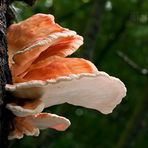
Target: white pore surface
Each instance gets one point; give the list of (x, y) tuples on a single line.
[(97, 91)]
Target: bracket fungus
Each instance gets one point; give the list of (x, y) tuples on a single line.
[(30, 125), (43, 76)]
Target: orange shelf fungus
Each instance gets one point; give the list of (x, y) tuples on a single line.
[(43, 76)]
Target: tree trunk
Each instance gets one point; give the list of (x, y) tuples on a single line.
[(5, 77)]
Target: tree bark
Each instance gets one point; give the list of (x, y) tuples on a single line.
[(5, 76)]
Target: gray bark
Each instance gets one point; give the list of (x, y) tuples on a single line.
[(5, 77)]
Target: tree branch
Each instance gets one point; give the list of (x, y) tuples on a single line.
[(132, 64)]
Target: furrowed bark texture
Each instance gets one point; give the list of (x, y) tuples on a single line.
[(5, 77)]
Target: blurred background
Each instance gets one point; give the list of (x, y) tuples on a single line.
[(116, 40)]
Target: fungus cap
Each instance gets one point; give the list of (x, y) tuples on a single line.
[(38, 37)]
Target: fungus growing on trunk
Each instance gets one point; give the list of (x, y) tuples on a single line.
[(43, 76)]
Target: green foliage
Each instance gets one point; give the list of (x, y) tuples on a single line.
[(123, 26)]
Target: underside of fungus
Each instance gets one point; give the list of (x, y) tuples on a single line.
[(43, 76), (97, 91), (30, 125)]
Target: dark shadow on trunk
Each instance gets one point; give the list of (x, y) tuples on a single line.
[(5, 76)]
